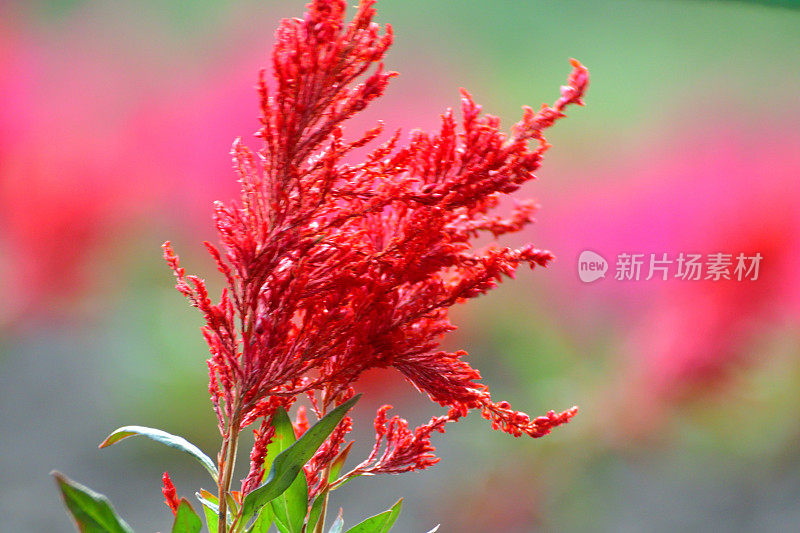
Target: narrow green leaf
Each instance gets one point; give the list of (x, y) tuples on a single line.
[(290, 462), (212, 520), (233, 507), (210, 507), (380, 523), (186, 520), (316, 511), (91, 511), (291, 506), (208, 497), (173, 441)]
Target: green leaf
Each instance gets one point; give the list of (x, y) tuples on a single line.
[(210, 508), (291, 506), (380, 523), (282, 527), (233, 507), (316, 511), (173, 441), (263, 521), (186, 520), (212, 520), (208, 499), (290, 462), (91, 511)]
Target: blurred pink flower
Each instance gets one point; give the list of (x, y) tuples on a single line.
[(729, 190), (69, 175), (98, 137)]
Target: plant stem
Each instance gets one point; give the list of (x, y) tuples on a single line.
[(326, 472), (320, 526), (228, 450)]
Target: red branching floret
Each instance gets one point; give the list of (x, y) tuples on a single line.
[(300, 424), (333, 268), (327, 453), (403, 449), (263, 436)]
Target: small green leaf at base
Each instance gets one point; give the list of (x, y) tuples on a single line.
[(91, 511), (186, 520), (380, 523), (168, 439), (290, 462), (289, 508), (210, 505)]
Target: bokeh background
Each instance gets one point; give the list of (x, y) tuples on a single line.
[(115, 126)]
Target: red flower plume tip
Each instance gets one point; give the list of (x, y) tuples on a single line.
[(334, 267), (168, 490)]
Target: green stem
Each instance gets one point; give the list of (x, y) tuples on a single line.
[(320, 526), (229, 448)]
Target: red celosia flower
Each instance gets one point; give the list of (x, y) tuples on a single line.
[(170, 497), (334, 268)]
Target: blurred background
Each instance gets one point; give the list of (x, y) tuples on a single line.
[(115, 126)]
